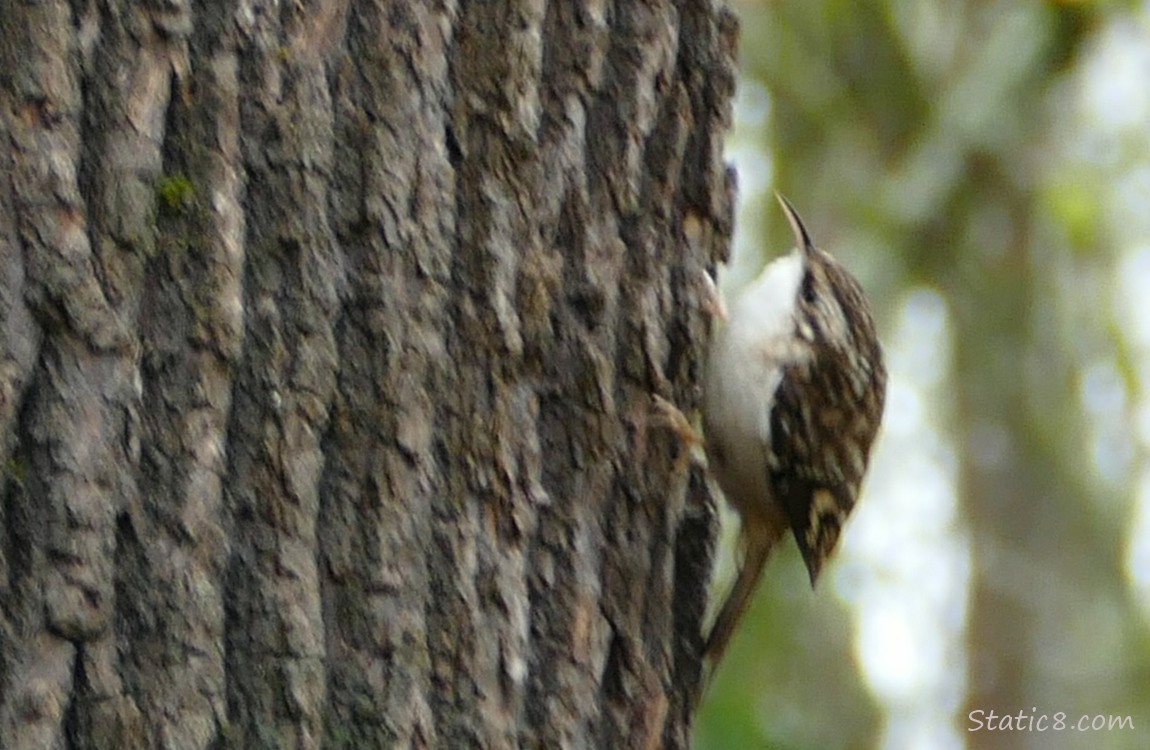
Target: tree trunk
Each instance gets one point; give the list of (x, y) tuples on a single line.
[(329, 336)]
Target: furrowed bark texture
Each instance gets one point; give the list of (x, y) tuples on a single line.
[(329, 335)]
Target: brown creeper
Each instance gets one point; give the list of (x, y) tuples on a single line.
[(792, 400)]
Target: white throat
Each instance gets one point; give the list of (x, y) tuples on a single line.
[(765, 309)]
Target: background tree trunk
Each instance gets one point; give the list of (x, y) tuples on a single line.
[(329, 336)]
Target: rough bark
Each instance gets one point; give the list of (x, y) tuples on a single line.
[(329, 336)]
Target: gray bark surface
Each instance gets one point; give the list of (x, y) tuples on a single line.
[(329, 333)]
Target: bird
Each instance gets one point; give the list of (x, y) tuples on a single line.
[(793, 394)]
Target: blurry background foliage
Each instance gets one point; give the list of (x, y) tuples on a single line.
[(984, 168)]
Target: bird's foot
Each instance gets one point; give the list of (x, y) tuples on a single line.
[(711, 299), (669, 416)]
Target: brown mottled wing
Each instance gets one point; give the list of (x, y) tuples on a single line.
[(824, 419)]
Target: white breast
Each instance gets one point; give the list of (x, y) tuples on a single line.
[(743, 371)]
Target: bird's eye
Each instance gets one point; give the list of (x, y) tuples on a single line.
[(809, 288)]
